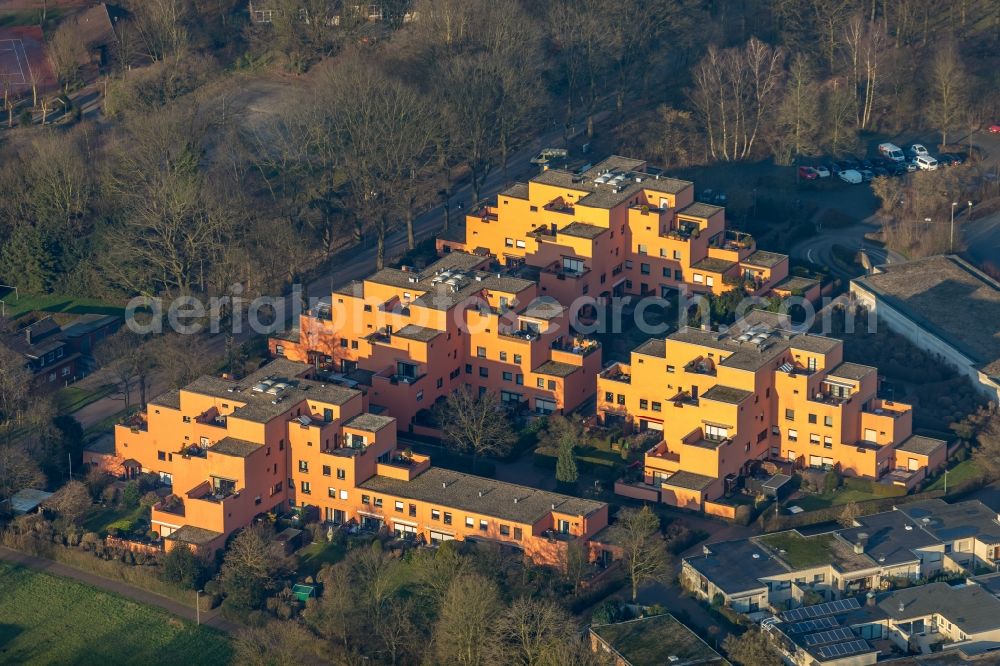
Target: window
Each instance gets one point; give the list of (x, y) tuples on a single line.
[(644, 269), (812, 418), (609, 396), (621, 398), (793, 435), (484, 371), (161, 455), (643, 403), (326, 470), (306, 488), (811, 363), (505, 530), (365, 499), (378, 502), (827, 442), (715, 433), (643, 249), (343, 343), (186, 419), (543, 406), (519, 380), (677, 255), (540, 383), (520, 244), (503, 356), (331, 492), (341, 475), (509, 242), (343, 494), (435, 514), (303, 465), (571, 265), (354, 344), (517, 358), (678, 275), (517, 534), (468, 368), (671, 368), (447, 517), (65, 370), (508, 376), (699, 278), (657, 406), (469, 522), (484, 525), (552, 385), (828, 421), (628, 265), (481, 352), (813, 438), (789, 414)]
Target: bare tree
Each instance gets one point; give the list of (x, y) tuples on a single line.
[(645, 558), (275, 644), (15, 386), (948, 93), (17, 471), (988, 452), (532, 631), (71, 501), (127, 356), (67, 54), (798, 114), (865, 42), (469, 611), (477, 424)]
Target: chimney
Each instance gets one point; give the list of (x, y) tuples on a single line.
[(902, 606), (27, 334), (870, 599), (859, 545), (515, 500), (444, 484)]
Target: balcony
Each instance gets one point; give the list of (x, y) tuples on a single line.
[(215, 493), (577, 345), (171, 504), (403, 466), (887, 408), (380, 337), (562, 273), (660, 451), (136, 423), (321, 310), (558, 205), (683, 398), (734, 241), (827, 398), (525, 335), (211, 418), (701, 366), (486, 212), (685, 231), (618, 372)]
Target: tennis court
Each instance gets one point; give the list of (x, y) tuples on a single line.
[(23, 61)]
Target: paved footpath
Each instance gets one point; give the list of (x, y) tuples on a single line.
[(210, 618)]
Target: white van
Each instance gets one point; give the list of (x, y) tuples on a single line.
[(891, 151), (926, 163)]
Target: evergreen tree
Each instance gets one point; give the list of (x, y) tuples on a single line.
[(566, 471), (27, 260)]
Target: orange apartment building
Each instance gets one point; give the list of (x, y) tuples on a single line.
[(412, 337), (725, 400), (617, 229), (277, 439)]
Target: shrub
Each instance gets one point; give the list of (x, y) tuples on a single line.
[(131, 494), (609, 612)]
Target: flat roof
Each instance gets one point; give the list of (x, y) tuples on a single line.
[(480, 495), (887, 540), (922, 445), (927, 291), (556, 369), (970, 607), (700, 210), (765, 259), (960, 520), (728, 394), (737, 566), (795, 283), (652, 347), (231, 446), (28, 499), (419, 333), (516, 191), (853, 371), (689, 480), (582, 230), (196, 536), (657, 640), (370, 422), (609, 195), (713, 265)]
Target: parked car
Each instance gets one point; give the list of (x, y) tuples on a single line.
[(822, 171), (807, 173), (954, 158), (867, 175), (851, 176), (880, 171), (945, 160), (918, 150), (891, 151), (911, 166), (842, 165), (867, 164), (925, 163), (994, 129)]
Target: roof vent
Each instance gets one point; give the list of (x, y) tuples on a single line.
[(706, 551), (444, 484), (902, 606), (413, 279), (553, 506), (480, 493), (756, 556), (909, 528), (515, 500)]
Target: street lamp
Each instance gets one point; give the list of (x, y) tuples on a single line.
[(197, 606), (952, 240), (968, 218)]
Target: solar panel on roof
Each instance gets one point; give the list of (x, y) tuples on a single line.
[(811, 625), (838, 650), (824, 637), (819, 610)]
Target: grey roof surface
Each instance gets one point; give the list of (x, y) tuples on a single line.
[(370, 422), (645, 642), (796, 283), (419, 333), (652, 347), (480, 495), (927, 290), (193, 535), (88, 323), (887, 537), (604, 196), (171, 399), (689, 480), (853, 371), (517, 191), (556, 369), (582, 230), (261, 407), (544, 307), (726, 394), (713, 265), (746, 356), (231, 446), (732, 567), (922, 445), (700, 209), (972, 608), (955, 521), (28, 499), (765, 259)]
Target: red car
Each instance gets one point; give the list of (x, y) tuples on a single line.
[(807, 173), (994, 129)]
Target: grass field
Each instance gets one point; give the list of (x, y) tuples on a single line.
[(50, 620), (71, 399), (836, 498), (315, 555), (958, 475), (15, 307)]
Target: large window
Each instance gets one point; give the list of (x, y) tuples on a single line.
[(715, 433), (571, 265), (543, 406)]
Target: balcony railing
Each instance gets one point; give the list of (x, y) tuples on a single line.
[(581, 346), (701, 366), (136, 423), (170, 504), (619, 372)]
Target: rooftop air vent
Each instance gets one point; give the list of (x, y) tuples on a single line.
[(756, 556), (909, 528)]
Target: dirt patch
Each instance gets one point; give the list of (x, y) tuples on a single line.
[(23, 61)]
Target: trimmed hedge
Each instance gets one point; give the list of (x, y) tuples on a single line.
[(872, 487)]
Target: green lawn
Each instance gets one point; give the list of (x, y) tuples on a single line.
[(961, 473), (101, 519), (45, 619), (15, 307), (315, 555), (836, 498), (800, 552), (71, 399)]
